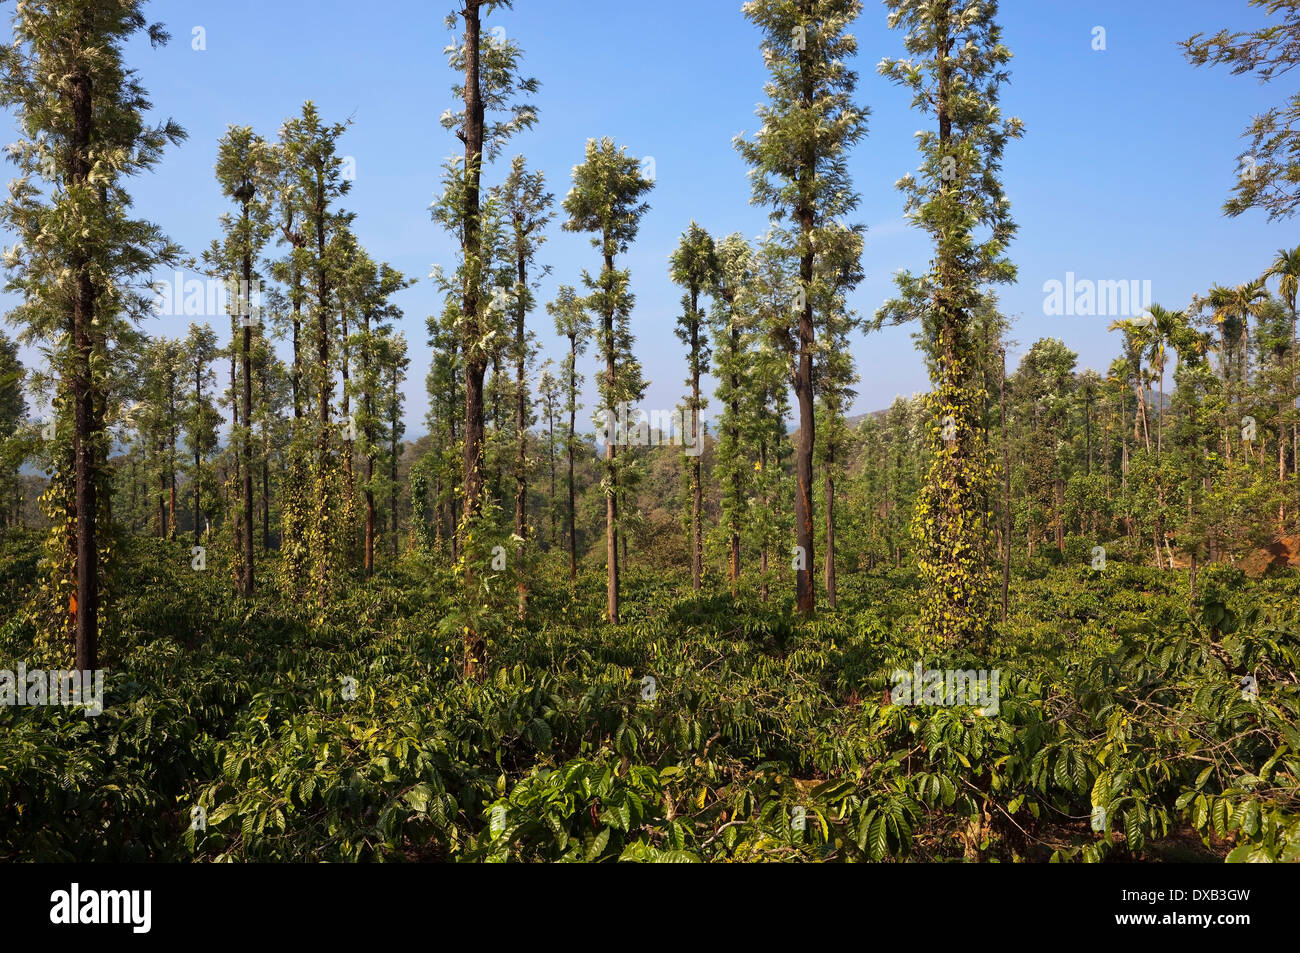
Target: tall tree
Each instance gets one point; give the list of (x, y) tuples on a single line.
[(574, 325), (445, 407), (162, 369), (732, 342), (694, 266), (772, 276), (548, 395), (313, 515), (393, 362), (956, 62), (491, 84), (80, 112), (606, 200), (245, 174), (839, 268), (199, 416), (369, 288), (1165, 326), (799, 162), (526, 207)]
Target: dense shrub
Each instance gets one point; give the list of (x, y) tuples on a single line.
[(697, 730)]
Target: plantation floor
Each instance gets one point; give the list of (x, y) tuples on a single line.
[(699, 729)]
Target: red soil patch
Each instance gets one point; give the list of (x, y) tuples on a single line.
[(1283, 551)]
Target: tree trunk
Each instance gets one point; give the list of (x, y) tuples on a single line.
[(1281, 467), (1006, 488), (573, 417), (762, 553), (1140, 391), (735, 471), (198, 458), (611, 497), (830, 530), (247, 351), (805, 596), (392, 474), (697, 474), (475, 364), (1160, 416), (550, 452), (368, 401), (171, 458), (85, 451), (521, 432)]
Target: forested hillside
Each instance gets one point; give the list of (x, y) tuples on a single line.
[(252, 608)]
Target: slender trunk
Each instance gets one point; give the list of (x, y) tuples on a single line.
[(247, 354), (368, 401), (85, 449), (438, 512), (266, 463), (1006, 488), (496, 464), (171, 458), (1160, 416), (325, 383), (1142, 413), (611, 496), (162, 493), (1087, 419), (1058, 517), (135, 495), (198, 458), (697, 471), (370, 515), (735, 470), (1123, 441), (521, 432), (234, 445), (1281, 467), (1291, 395), (266, 490), (830, 528), (453, 516), (805, 597), (475, 363), (550, 453), (762, 552), (393, 460), (295, 300), (573, 417)]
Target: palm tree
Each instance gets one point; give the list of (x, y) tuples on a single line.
[(1136, 334), (1246, 300), (1164, 329), (1219, 301), (1231, 310)]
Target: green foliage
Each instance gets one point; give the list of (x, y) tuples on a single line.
[(351, 734)]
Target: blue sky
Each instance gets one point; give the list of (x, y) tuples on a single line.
[(1127, 157)]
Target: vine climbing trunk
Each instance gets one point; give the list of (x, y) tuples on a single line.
[(475, 360), (85, 469)]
